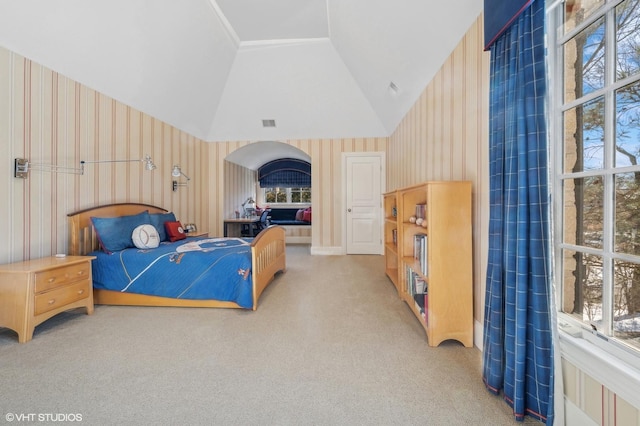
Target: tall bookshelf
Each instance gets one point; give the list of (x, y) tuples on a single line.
[(391, 238), (434, 258)]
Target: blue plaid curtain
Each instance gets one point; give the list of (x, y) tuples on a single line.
[(518, 350), (285, 173)]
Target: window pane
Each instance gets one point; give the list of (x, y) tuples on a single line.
[(270, 195), (627, 213), (626, 309), (582, 286), (583, 211), (627, 39), (300, 195), (584, 137), (275, 195), (279, 195), (575, 12), (584, 62), (628, 125), (305, 197)]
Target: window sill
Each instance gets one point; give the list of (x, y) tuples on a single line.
[(623, 378)]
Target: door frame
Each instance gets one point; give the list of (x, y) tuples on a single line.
[(383, 186)]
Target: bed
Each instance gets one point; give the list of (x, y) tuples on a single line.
[(257, 262)]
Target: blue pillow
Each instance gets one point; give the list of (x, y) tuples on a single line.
[(158, 220), (114, 233)]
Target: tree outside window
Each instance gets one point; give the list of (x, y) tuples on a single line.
[(287, 195)]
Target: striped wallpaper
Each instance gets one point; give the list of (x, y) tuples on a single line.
[(50, 119)]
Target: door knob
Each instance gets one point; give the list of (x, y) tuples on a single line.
[(349, 210)]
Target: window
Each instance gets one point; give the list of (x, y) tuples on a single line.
[(287, 195), (596, 135)]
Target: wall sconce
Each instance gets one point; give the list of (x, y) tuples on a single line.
[(22, 166), (250, 208), (176, 173), (148, 163)]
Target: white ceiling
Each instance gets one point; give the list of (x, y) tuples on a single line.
[(254, 155), (217, 68)]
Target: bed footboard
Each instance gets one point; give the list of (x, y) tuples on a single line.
[(268, 256)]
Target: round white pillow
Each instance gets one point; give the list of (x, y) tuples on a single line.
[(145, 237)]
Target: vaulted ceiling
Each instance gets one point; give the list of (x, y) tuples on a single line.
[(217, 68)]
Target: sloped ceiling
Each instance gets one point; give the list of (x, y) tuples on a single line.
[(217, 68)]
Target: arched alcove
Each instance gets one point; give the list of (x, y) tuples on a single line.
[(254, 155), (241, 178)]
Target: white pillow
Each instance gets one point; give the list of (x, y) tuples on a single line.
[(145, 237)]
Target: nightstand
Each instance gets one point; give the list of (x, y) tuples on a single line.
[(33, 291), (197, 234)]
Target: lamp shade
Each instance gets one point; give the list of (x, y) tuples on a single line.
[(177, 172)]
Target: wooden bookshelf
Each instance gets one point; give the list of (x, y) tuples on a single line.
[(446, 266)]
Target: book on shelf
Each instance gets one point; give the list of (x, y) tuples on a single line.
[(413, 281), (418, 289), (420, 252), (394, 236), (426, 308), (419, 299)]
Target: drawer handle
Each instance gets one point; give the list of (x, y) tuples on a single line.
[(52, 301), (52, 279), (80, 291), (80, 272)]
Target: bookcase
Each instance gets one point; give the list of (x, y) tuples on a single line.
[(431, 260)]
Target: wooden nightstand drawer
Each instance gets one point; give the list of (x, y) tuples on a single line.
[(61, 296), (57, 277)]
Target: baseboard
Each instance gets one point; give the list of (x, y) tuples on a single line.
[(574, 416), (297, 240), (478, 335), (327, 251)]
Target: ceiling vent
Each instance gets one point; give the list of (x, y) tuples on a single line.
[(393, 88), (268, 123)]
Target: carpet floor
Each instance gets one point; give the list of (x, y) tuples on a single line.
[(330, 344)]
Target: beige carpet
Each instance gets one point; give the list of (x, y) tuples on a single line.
[(330, 344)]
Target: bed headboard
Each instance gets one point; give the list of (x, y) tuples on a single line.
[(82, 237)]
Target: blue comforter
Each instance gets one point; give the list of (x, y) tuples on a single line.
[(194, 268)]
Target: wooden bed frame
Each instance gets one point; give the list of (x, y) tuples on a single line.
[(267, 258)]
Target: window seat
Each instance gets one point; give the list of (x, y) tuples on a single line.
[(290, 216)]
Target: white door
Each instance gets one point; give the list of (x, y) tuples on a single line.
[(363, 188)]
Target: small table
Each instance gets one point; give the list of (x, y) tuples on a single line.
[(238, 223)]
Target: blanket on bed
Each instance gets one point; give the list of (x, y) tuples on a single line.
[(194, 268)]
